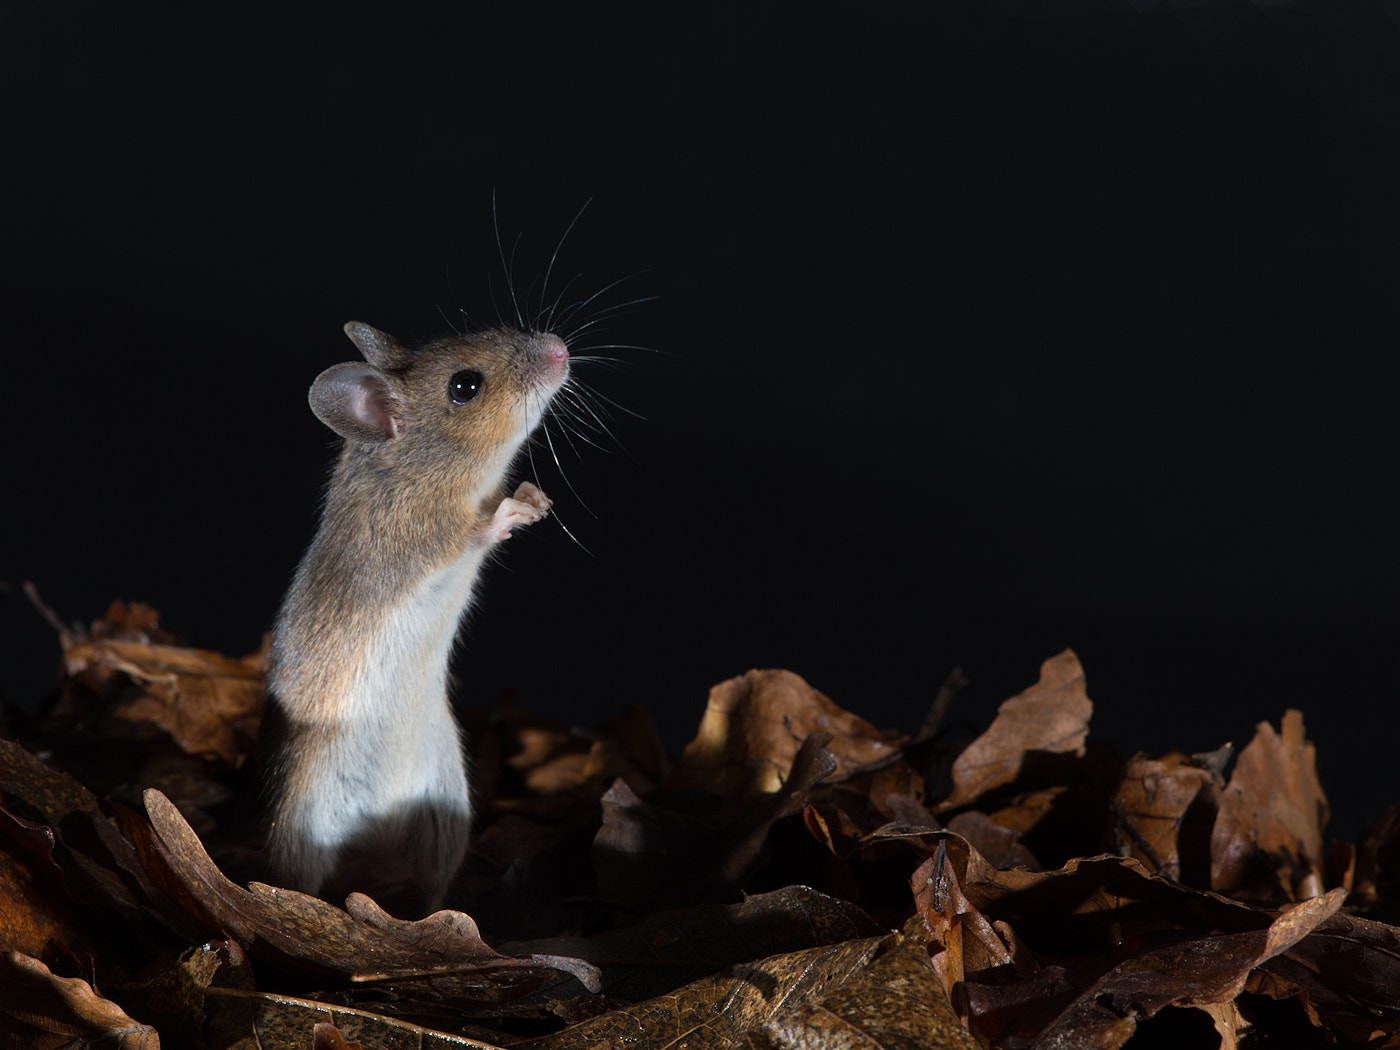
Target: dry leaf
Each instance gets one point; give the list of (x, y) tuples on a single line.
[(721, 1011), (36, 916), (754, 725), (41, 1010), (648, 855), (1150, 812), (99, 864), (895, 1003), (1100, 1001), (1348, 969), (1085, 955), (250, 1020), (210, 705), (360, 941), (1001, 845), (1051, 716), (1271, 817), (686, 944)]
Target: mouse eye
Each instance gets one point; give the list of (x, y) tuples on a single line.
[(465, 385)]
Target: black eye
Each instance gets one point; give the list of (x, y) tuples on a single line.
[(465, 385)]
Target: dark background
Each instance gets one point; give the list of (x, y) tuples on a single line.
[(987, 329)]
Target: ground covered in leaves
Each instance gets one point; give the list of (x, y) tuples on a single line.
[(796, 878)]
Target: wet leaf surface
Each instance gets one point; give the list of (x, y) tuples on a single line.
[(797, 878)]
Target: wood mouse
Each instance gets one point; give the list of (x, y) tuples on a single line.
[(368, 777)]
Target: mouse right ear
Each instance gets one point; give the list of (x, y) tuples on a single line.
[(380, 349), (355, 401)]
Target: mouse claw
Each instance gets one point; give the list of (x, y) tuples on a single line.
[(526, 507), (529, 492)]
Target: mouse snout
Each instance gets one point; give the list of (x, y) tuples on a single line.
[(554, 348), (548, 360)]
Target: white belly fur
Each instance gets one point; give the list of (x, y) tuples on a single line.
[(393, 776)]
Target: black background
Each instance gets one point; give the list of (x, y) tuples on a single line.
[(987, 329)]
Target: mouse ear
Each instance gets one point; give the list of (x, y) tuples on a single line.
[(380, 349), (355, 401)]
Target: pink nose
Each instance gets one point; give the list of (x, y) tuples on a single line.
[(554, 347)]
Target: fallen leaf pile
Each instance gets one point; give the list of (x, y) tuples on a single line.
[(797, 877)]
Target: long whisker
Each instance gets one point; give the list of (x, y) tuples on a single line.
[(500, 250), (447, 320), (573, 403), (620, 346), (616, 405), (544, 285), (565, 419), (555, 453), (607, 315), (447, 273), (574, 308)]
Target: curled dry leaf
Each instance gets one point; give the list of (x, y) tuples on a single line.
[(1001, 845), (1271, 817), (300, 929), (1151, 807), (1348, 969), (41, 1009), (1100, 1001), (962, 940), (35, 915), (208, 703), (754, 725), (99, 864), (1051, 716)]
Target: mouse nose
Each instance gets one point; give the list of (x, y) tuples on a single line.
[(554, 347)]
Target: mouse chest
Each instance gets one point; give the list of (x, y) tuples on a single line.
[(407, 659)]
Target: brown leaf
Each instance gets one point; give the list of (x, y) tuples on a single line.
[(210, 704), (1099, 1002), (1051, 716), (1001, 845), (36, 916), (173, 994), (754, 725), (723, 1010), (649, 855), (1151, 806), (1267, 838), (1229, 1023), (361, 941), (45, 1010), (326, 1036), (98, 861), (895, 1003), (1349, 970), (270, 1021), (134, 622), (687, 944)]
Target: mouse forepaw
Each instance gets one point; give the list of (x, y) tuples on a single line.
[(529, 492), (526, 507)]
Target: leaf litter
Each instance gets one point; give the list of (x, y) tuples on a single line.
[(797, 877)]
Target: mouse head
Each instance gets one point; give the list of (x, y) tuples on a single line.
[(476, 395)]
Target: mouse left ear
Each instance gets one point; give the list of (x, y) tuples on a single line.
[(356, 402), (380, 349)]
